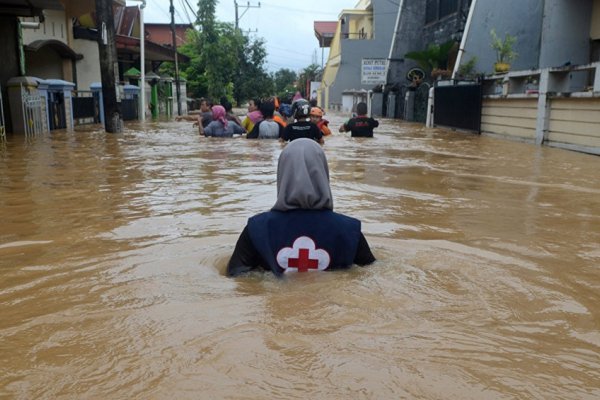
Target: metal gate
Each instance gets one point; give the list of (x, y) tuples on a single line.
[(85, 107), (129, 107), (421, 97), (56, 108), (458, 106), (32, 114)]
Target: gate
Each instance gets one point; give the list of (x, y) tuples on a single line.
[(458, 106), (32, 114), (129, 107), (85, 107), (421, 98), (56, 108)]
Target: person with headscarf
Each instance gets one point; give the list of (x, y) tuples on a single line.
[(254, 115), (301, 232), (220, 126)]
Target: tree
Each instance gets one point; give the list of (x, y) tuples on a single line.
[(309, 74), (253, 80), (224, 61), (284, 80)]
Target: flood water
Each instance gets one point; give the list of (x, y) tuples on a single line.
[(113, 247)]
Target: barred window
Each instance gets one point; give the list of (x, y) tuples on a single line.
[(431, 11), (447, 7), (438, 9)]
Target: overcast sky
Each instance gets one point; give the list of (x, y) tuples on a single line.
[(286, 26)]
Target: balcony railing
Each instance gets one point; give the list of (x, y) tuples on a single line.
[(357, 35), (568, 81)]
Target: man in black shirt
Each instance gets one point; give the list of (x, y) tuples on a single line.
[(362, 125), (303, 128)]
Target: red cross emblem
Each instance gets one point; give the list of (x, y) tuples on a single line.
[(303, 256), (303, 262)]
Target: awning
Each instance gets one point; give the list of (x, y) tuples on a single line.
[(325, 31), (59, 47)]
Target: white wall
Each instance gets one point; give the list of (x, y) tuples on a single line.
[(54, 27), (88, 69)]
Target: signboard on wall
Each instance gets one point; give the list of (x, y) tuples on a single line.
[(373, 71)]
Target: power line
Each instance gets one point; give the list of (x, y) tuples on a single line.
[(298, 10), (191, 9), (247, 7), (185, 11)]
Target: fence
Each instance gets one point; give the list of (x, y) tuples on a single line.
[(85, 107), (32, 114), (458, 105), (129, 107)]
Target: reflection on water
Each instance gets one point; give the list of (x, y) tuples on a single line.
[(112, 249)]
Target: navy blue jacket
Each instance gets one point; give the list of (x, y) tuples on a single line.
[(300, 240)]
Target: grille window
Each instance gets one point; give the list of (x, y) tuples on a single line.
[(431, 11), (448, 7), (438, 9)]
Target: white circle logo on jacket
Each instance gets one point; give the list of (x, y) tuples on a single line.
[(303, 256)]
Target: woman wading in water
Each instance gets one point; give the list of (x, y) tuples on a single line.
[(301, 232)]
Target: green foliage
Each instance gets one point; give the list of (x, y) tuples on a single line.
[(252, 80), (226, 62), (284, 80), (308, 74), (223, 60), (467, 70), (435, 56), (504, 48)]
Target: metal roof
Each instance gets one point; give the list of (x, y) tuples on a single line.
[(324, 31)]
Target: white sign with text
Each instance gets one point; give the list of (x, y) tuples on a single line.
[(373, 71)]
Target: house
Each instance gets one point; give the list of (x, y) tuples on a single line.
[(325, 32), (127, 26), (12, 55), (161, 34), (420, 24), (358, 53), (552, 93)]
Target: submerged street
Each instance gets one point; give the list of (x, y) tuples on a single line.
[(113, 247)]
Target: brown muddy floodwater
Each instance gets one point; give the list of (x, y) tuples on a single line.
[(112, 251)]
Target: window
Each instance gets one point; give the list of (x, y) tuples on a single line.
[(448, 7), (438, 9), (431, 11)]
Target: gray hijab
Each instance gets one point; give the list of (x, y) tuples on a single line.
[(303, 177)]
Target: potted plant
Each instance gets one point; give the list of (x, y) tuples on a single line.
[(467, 70), (439, 73), (504, 51), (434, 59)]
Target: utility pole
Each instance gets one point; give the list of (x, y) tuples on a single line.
[(173, 33), (237, 16), (143, 62), (109, 66)]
